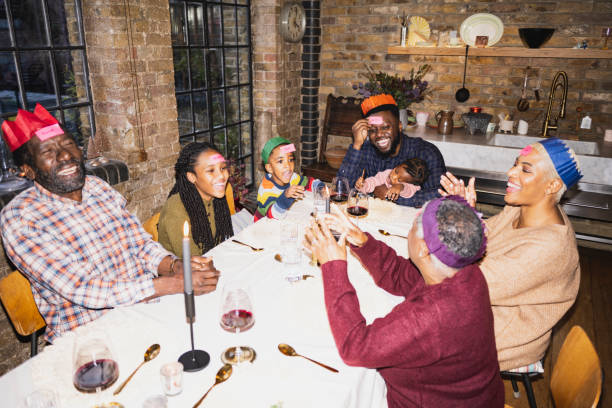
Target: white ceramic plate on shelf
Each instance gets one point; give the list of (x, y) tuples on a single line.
[(481, 24)]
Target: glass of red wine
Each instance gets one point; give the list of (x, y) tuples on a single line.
[(357, 204), (94, 367), (339, 190), (236, 316)]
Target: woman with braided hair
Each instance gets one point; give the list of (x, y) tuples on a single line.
[(198, 196)]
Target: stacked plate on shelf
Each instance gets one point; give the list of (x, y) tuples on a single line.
[(481, 24)]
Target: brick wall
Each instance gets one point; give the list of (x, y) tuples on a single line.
[(355, 32), (276, 72)]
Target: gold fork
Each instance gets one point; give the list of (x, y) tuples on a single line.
[(382, 231), (242, 243)]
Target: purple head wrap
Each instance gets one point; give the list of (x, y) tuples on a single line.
[(432, 237)]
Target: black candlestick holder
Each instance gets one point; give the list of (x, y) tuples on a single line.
[(192, 360)]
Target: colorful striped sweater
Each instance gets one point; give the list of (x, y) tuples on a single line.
[(272, 203)]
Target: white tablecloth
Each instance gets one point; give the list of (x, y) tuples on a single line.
[(292, 313)]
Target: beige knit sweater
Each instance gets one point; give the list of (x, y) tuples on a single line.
[(533, 276)]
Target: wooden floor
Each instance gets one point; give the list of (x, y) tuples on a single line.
[(592, 311)]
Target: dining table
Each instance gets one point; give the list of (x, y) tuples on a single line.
[(285, 312)]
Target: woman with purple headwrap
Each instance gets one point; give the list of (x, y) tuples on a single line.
[(437, 347), (531, 265)]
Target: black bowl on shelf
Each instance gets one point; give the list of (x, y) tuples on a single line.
[(535, 37)]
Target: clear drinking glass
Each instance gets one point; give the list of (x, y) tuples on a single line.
[(94, 367), (339, 190), (43, 398), (321, 198), (357, 204), (236, 315), (291, 251)]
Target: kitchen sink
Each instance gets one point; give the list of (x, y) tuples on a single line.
[(519, 141)]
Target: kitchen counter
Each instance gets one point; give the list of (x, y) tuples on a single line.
[(488, 158)]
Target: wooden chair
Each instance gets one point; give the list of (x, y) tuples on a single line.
[(340, 115), (526, 379), (576, 377), (17, 298), (150, 225)]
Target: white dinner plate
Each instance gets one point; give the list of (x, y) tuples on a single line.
[(481, 24)]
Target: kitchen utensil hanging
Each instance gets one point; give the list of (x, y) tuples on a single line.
[(463, 94), (523, 104)]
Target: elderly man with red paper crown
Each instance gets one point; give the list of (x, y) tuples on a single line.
[(379, 144), (72, 237)]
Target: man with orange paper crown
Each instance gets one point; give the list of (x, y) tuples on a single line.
[(73, 238), (379, 144)]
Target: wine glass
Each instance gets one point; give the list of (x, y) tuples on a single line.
[(357, 204), (339, 190), (236, 316), (94, 368)]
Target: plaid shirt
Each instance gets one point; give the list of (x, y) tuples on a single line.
[(369, 159), (81, 258)]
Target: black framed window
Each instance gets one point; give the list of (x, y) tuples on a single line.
[(211, 42), (43, 60)]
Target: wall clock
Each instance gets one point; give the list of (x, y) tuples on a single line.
[(292, 21)]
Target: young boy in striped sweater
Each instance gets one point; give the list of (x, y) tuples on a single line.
[(281, 185)]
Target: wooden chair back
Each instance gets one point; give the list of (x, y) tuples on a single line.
[(576, 377), (150, 225), (340, 114), (17, 298)]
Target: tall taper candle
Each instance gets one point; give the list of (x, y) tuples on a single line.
[(187, 284)]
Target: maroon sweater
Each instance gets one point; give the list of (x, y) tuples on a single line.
[(435, 349)]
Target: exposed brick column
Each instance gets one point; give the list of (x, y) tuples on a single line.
[(311, 50)]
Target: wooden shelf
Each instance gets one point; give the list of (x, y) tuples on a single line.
[(503, 52)]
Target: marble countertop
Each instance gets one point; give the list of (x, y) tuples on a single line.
[(496, 152)]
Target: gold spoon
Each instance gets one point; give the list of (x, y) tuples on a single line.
[(382, 231), (222, 375), (290, 351), (149, 355), (279, 258), (242, 243)]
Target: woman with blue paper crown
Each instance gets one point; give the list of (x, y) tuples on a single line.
[(531, 265)]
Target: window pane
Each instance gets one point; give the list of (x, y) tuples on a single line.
[(71, 77), (28, 23), (200, 109), (248, 166), (203, 137), (177, 23), (37, 78), (214, 25), (246, 139), (181, 74), (215, 66), (63, 23), (198, 69), (245, 105), (8, 84), (184, 114), (243, 25), (195, 19), (241, 1), (232, 105), (5, 39), (229, 25), (233, 141), (230, 62), (219, 141), (218, 102), (76, 122), (244, 65)]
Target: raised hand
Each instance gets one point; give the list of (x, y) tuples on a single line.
[(322, 244), (338, 221), (294, 191), (360, 133), (453, 186)]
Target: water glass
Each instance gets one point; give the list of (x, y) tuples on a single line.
[(171, 376), (43, 398), (291, 251), (321, 199)]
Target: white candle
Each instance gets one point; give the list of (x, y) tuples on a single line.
[(187, 285)]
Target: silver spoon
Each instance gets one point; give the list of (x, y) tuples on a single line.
[(222, 375), (149, 355)]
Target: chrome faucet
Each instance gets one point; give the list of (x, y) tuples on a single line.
[(560, 79)]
